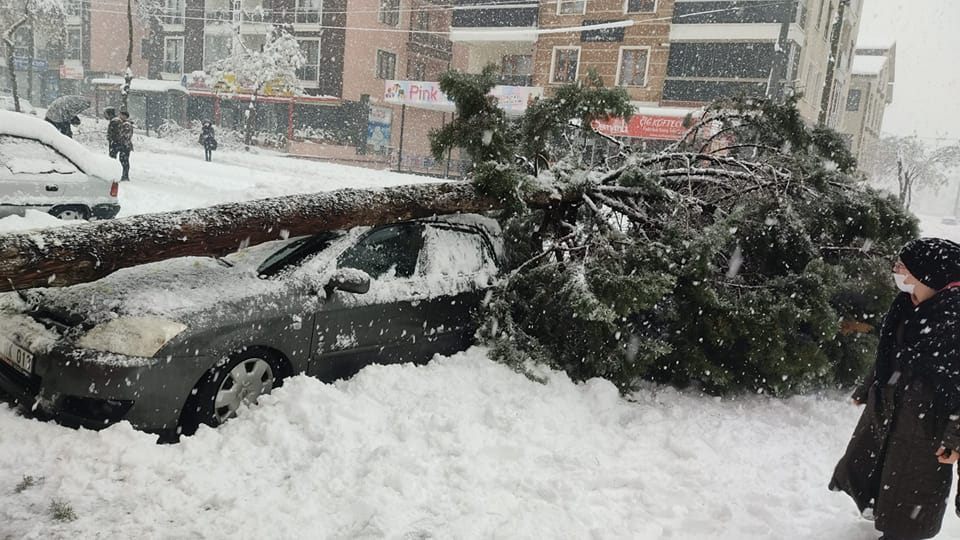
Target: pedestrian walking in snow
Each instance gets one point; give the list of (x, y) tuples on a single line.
[(113, 130), (898, 466), (208, 139), (125, 144)]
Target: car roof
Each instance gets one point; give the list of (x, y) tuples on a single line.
[(30, 127)]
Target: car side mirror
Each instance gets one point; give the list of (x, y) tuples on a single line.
[(350, 280)]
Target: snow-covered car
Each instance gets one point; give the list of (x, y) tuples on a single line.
[(187, 341), (7, 104), (41, 169)]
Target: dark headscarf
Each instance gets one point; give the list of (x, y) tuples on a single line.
[(934, 261)]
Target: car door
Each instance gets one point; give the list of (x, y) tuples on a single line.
[(384, 325), (34, 174), (459, 266)]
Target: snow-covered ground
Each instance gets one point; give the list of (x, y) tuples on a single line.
[(460, 448)]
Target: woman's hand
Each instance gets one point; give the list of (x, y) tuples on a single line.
[(947, 457)]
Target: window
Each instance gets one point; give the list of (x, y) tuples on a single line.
[(451, 252), (421, 21), (173, 55), (396, 248), (21, 42), (633, 66), (566, 64), (311, 64), (571, 7), (308, 11), (389, 12), (386, 65), (216, 47), (641, 6), (27, 156), (74, 44), (173, 11), (516, 69)]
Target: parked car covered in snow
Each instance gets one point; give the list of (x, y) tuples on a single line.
[(187, 341), (7, 104), (40, 169)]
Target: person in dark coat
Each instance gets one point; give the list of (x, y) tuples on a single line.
[(125, 144), (898, 466), (208, 139), (113, 130), (64, 127)]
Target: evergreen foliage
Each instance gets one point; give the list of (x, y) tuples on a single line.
[(746, 257)]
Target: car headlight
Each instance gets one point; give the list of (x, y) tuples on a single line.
[(131, 336)]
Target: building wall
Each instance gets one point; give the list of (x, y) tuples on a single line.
[(107, 40), (601, 50)]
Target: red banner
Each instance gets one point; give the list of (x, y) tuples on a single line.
[(643, 126)]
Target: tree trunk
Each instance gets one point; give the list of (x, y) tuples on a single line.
[(62, 256), (128, 74), (11, 65)]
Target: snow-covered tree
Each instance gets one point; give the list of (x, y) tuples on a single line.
[(745, 256), (908, 164), (276, 65), (15, 14)]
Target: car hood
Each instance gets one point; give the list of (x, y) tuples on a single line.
[(176, 289)]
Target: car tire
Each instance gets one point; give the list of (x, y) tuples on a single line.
[(70, 213), (243, 378)]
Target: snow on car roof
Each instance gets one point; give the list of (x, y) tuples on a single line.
[(21, 125)]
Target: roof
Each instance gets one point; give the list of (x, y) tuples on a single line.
[(31, 127), (868, 65), (143, 85)]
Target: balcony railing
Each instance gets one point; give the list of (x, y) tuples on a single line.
[(309, 73), (304, 15), (488, 14), (172, 15), (516, 80), (226, 14), (433, 42)]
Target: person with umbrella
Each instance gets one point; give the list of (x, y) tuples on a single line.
[(64, 111)]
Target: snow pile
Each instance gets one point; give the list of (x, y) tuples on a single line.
[(26, 332), (21, 125), (32, 219), (460, 448)]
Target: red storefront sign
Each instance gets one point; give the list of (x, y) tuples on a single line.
[(643, 126)]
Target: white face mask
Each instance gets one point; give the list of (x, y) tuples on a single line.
[(900, 278)]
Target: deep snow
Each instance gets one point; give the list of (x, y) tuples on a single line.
[(460, 448)]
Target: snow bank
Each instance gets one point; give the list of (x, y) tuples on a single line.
[(460, 448), (21, 125), (32, 219)]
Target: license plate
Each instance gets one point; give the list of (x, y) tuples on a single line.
[(16, 356)]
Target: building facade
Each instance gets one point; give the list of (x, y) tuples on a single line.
[(873, 73)]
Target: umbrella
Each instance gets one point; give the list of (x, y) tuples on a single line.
[(64, 108)]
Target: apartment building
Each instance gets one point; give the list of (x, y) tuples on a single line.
[(873, 73)]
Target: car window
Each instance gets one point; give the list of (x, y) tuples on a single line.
[(456, 252), (295, 253), (27, 156), (391, 250)]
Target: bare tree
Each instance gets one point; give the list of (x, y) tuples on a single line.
[(911, 164), (15, 14)]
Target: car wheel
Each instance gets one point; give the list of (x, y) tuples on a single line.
[(70, 212), (225, 388)]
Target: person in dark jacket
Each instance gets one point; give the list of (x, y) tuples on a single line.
[(65, 127), (113, 130), (898, 464), (125, 144), (208, 139)]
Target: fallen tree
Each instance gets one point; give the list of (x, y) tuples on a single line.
[(62, 256)]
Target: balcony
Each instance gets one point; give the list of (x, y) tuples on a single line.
[(432, 45), (496, 20), (172, 15)]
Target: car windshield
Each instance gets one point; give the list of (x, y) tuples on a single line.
[(294, 253), (26, 156)]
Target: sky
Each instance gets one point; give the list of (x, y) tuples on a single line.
[(927, 33)]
